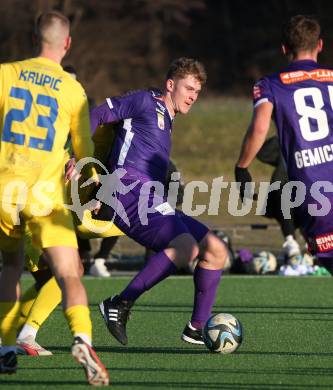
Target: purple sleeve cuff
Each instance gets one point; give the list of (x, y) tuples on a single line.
[(101, 115)]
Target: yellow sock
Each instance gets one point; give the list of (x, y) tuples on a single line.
[(9, 314), (78, 318), (48, 298), (27, 300)]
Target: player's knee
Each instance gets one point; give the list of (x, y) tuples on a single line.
[(68, 283), (184, 249), (215, 251), (70, 272), (190, 249)]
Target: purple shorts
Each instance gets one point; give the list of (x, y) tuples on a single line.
[(158, 227)]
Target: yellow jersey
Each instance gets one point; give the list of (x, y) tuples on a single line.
[(40, 106)]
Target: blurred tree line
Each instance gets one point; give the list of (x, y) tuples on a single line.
[(128, 44)]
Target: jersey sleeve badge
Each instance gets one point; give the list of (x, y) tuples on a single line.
[(256, 92), (160, 120)]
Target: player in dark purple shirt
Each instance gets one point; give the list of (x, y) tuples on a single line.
[(142, 148), (143, 135), (300, 98)]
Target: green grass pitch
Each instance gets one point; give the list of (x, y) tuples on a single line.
[(288, 339)]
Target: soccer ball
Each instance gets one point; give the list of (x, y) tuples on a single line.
[(222, 333), (264, 262)]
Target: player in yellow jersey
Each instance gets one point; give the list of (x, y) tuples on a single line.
[(40, 106), (44, 295)]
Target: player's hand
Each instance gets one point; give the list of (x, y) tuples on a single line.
[(242, 176), (70, 171)]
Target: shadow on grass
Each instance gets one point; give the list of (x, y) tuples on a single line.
[(188, 351), (138, 350), (172, 384), (307, 318), (302, 371), (29, 384), (258, 310), (217, 385), (281, 353)]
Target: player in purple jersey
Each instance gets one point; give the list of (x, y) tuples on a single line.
[(142, 148), (300, 98)]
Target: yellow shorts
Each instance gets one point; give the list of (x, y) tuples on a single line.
[(34, 199), (55, 229), (91, 228), (32, 253), (88, 227)]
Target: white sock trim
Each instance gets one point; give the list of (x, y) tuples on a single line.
[(27, 331), (84, 337)]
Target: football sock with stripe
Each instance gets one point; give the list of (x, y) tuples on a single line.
[(48, 299)]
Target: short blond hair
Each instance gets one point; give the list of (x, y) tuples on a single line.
[(183, 66), (52, 27)]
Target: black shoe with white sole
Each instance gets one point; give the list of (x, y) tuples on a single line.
[(115, 312), (192, 335)]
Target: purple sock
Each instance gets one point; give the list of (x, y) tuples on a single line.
[(158, 267), (206, 282)]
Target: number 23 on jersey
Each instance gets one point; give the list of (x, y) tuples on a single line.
[(15, 115)]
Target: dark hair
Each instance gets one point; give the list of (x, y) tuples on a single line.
[(301, 33), (182, 67)]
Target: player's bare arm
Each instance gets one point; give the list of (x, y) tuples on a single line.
[(256, 134)]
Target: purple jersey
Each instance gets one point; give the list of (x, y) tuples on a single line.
[(143, 139), (302, 96), (142, 148)]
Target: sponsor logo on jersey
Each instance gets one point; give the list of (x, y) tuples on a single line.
[(324, 243), (322, 75), (160, 120)]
